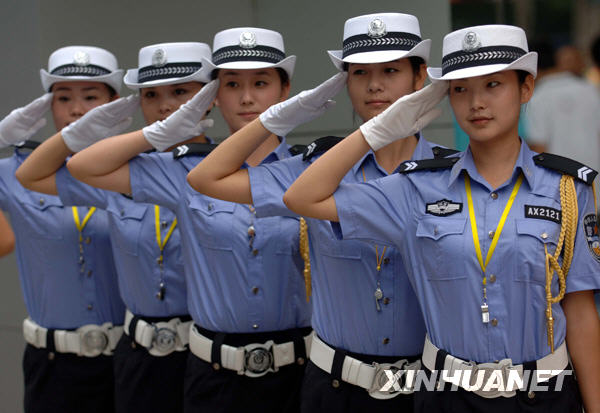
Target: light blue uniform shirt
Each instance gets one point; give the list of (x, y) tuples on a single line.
[(233, 286), (345, 272), (57, 294), (442, 264), (132, 230)]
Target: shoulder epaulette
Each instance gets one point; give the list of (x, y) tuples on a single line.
[(297, 149), (193, 149), (423, 164), (28, 145), (567, 166), (320, 146), (441, 152)]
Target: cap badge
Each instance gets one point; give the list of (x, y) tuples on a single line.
[(159, 58), (377, 28), (247, 40), (81, 58), (471, 42)]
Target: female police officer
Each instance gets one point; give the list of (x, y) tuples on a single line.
[(246, 289), (502, 311), (364, 310), (151, 356), (63, 254)]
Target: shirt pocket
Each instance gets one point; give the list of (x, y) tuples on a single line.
[(441, 241), (47, 216), (213, 220), (331, 246), (288, 237), (129, 222), (532, 235)]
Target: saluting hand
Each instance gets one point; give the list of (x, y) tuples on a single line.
[(101, 122), (22, 123), (186, 122), (283, 117), (405, 117)]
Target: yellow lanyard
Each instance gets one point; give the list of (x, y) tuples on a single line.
[(162, 242), (378, 294), (81, 225), (501, 223)]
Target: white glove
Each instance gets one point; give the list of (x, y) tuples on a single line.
[(101, 122), (283, 117), (186, 122), (405, 117), (22, 123)]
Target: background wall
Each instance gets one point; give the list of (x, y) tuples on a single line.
[(32, 29)]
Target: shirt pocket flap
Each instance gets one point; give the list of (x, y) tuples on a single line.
[(544, 231), (438, 227), (132, 211), (210, 206), (42, 202)]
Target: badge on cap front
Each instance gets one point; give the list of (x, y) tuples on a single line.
[(471, 42), (377, 28), (159, 58), (247, 40), (81, 58)]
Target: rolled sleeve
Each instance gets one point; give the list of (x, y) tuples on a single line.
[(374, 211), (73, 192), (584, 273), (156, 178), (269, 182)]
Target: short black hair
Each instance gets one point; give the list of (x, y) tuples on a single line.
[(283, 75), (596, 51), (522, 75), (415, 64)]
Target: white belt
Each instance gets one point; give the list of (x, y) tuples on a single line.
[(465, 373), (252, 360), (160, 338), (381, 380), (89, 340)]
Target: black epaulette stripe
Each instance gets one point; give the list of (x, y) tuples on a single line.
[(193, 149), (297, 149), (567, 166), (320, 146), (423, 164), (441, 152), (28, 145)]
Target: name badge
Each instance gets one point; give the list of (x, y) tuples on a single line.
[(543, 212)]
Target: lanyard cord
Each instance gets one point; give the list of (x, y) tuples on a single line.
[(163, 242), (81, 225), (378, 258), (499, 229)]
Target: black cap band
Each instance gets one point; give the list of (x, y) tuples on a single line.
[(77, 70), (170, 70), (257, 53), (391, 41), (483, 56)]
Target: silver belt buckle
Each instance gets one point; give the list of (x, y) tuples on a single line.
[(164, 341), (390, 379), (94, 342), (259, 359), (477, 386)]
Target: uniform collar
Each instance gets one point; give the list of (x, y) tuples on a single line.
[(523, 164), (422, 151)]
